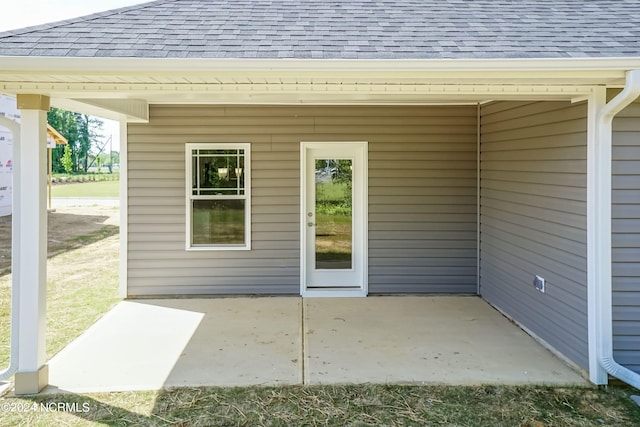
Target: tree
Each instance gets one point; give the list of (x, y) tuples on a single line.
[(80, 130), (88, 131), (64, 122), (115, 157), (108, 158), (67, 160)]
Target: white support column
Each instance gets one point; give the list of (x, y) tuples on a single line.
[(124, 211), (30, 175)]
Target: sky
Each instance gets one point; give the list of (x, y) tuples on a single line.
[(25, 13)]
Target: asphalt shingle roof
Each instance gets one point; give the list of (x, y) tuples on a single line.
[(342, 29)]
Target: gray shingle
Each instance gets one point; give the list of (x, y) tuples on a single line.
[(349, 29)]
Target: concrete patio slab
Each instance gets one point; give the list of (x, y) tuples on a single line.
[(425, 340), (151, 344)]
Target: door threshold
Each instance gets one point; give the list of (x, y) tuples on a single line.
[(333, 292)]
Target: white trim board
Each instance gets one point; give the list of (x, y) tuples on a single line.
[(320, 283)]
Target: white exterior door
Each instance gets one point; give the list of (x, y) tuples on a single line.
[(334, 219)]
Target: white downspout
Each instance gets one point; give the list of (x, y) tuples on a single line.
[(603, 294), (14, 127)]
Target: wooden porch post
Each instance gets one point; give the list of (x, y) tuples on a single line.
[(30, 211)]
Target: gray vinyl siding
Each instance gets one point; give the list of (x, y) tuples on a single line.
[(626, 237), (533, 218), (422, 197)]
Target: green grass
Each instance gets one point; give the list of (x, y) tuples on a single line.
[(86, 290), (333, 238), (102, 189), (353, 405), (333, 198), (82, 286), (333, 223)]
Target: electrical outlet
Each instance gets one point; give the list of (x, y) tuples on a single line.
[(539, 283)]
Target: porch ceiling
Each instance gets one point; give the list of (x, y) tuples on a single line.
[(126, 84)]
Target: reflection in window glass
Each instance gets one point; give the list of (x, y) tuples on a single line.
[(218, 206), (334, 217), (218, 172), (218, 222)]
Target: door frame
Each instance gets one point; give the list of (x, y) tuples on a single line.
[(360, 220)]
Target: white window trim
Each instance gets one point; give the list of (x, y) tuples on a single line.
[(247, 196)]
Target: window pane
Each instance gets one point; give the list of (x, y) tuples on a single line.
[(194, 177), (218, 222), (228, 152), (219, 169), (221, 192)]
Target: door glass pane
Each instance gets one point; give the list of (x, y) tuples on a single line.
[(333, 214)]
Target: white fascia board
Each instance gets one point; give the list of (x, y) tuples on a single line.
[(298, 93), (321, 81), (607, 71), (159, 65), (292, 81), (68, 96)]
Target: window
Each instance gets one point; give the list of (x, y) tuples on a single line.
[(218, 196)]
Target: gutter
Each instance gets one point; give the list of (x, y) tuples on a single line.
[(14, 127), (603, 292), (117, 66)]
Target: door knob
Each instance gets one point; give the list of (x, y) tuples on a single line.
[(310, 224)]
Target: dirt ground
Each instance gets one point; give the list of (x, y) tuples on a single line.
[(68, 227)]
